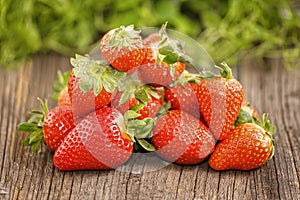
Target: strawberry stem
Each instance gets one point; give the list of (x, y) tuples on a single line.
[(225, 71)]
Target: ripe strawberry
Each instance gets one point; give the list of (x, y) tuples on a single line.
[(164, 61), (220, 100), (97, 143), (248, 146), (48, 126), (182, 139), (183, 97), (160, 75), (123, 48), (91, 84), (151, 44)]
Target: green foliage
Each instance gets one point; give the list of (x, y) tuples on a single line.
[(226, 28)]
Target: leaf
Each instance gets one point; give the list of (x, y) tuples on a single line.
[(130, 114), (97, 86), (146, 145), (35, 146), (125, 96), (109, 85), (27, 127), (35, 136), (85, 85), (141, 95), (137, 107)]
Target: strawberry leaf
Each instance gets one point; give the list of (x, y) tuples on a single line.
[(146, 145), (141, 95), (137, 107), (27, 127), (131, 114), (245, 116), (95, 74), (125, 96)]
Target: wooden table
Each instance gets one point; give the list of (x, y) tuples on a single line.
[(27, 176)]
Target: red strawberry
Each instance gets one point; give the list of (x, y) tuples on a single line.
[(50, 127), (248, 146), (220, 101), (160, 75), (123, 48), (164, 61), (97, 143), (91, 84), (184, 98), (151, 44), (182, 139)]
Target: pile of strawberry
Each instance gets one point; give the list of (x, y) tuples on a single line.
[(140, 98)]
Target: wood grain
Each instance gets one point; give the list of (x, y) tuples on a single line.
[(26, 176)]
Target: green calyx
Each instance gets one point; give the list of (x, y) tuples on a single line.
[(141, 130), (245, 116), (135, 88), (95, 74), (171, 51), (123, 37), (60, 83), (225, 71), (35, 126), (270, 130)]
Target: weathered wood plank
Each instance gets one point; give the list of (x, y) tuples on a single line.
[(27, 176)]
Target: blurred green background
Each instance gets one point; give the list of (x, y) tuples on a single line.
[(229, 30)]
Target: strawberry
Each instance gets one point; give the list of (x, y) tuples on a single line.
[(184, 97), (164, 61), (92, 84), (46, 126), (249, 146), (60, 87), (160, 75), (182, 139), (123, 48), (98, 142), (220, 100)]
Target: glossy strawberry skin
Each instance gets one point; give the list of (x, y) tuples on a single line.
[(151, 44), (125, 57), (84, 103), (184, 98), (220, 101), (182, 139), (96, 143), (159, 75), (246, 148), (57, 124), (150, 108)]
